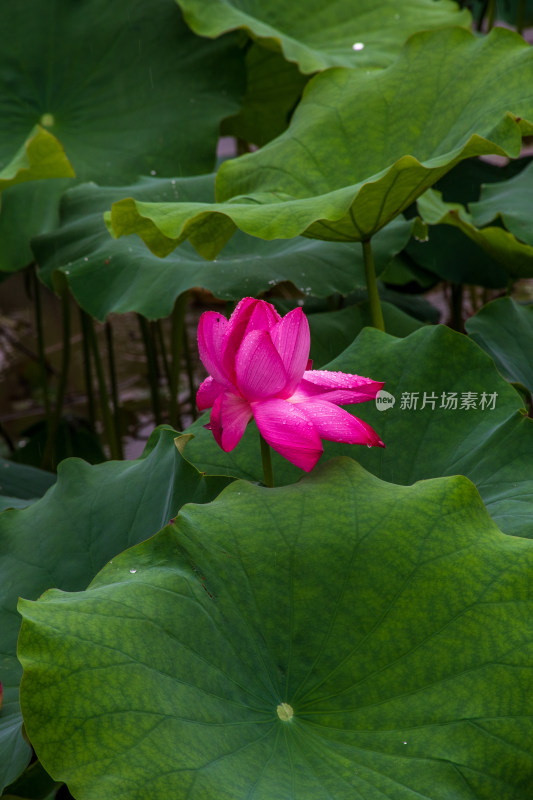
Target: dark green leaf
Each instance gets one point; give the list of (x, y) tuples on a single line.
[(27, 211), (91, 514), (511, 200), (333, 331), (273, 89), (33, 784), (14, 502), (448, 253), (514, 256), (125, 87), (505, 330), (114, 83), (24, 482)]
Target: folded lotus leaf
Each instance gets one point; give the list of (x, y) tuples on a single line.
[(107, 275), (360, 148)]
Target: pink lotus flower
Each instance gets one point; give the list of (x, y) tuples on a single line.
[(258, 364)]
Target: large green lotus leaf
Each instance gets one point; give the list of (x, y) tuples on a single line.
[(360, 147), (515, 256), (318, 35), (41, 156), (125, 86), (106, 275), (91, 514), (505, 330), (398, 637), (273, 89), (491, 446), (510, 200)]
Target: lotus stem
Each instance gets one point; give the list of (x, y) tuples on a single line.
[(491, 15), (107, 418), (190, 372), (521, 16), (163, 350), (7, 439), (456, 309), (114, 387), (49, 460), (266, 458), (372, 287), (176, 350), (43, 370), (87, 370), (153, 371)]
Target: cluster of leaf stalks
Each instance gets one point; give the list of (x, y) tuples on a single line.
[(165, 363)]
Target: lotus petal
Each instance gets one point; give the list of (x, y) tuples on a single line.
[(288, 431)]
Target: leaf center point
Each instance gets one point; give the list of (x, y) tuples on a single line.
[(285, 712)]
